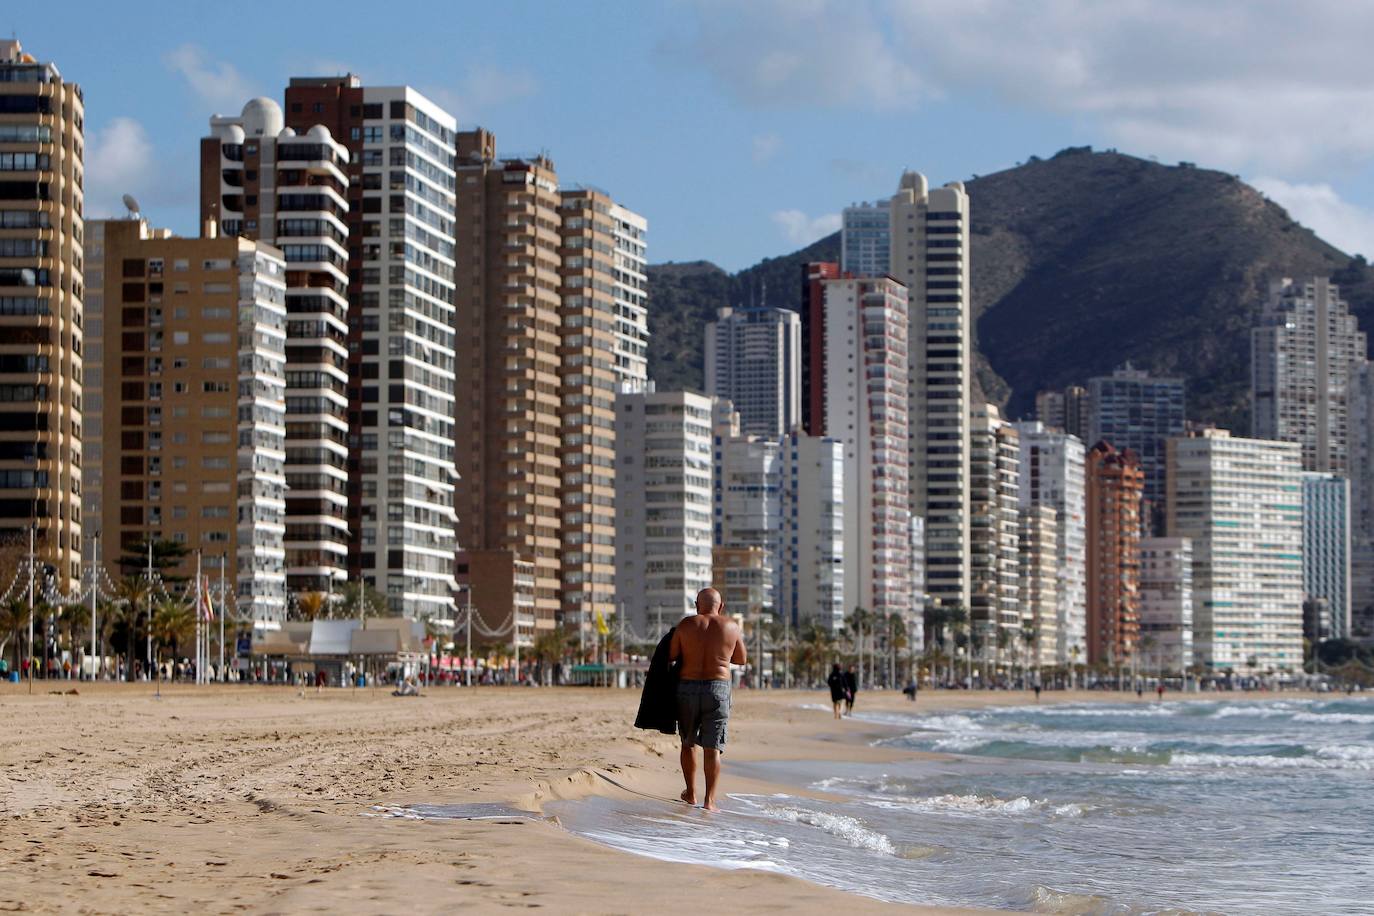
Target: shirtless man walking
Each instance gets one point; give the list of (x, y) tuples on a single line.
[(707, 645)]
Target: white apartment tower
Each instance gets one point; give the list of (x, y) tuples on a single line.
[(811, 558), (746, 501), (663, 513), (865, 406), (753, 359), (866, 238), (1326, 567), (630, 287), (1166, 605), (1052, 474), (930, 255), (1302, 356), (1240, 503), (994, 531), (1038, 557), (298, 188), (401, 149)]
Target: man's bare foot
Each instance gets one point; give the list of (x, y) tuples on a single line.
[(710, 805), (688, 796)]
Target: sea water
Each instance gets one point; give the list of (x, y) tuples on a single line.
[(1132, 808)]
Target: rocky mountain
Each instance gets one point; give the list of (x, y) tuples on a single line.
[(1080, 262)]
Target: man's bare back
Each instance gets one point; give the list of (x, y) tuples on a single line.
[(708, 644)]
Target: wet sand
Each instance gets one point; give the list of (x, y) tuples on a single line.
[(243, 798)]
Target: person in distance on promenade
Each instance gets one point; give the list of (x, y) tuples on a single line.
[(706, 644), (838, 692)]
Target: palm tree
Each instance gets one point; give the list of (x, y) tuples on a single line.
[(312, 605), (14, 617), (173, 624), (1004, 641), (860, 622), (75, 621), (359, 598), (1030, 640), (134, 593)]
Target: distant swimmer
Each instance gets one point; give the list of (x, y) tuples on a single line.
[(706, 644), (838, 691), (1037, 693), (1160, 691)]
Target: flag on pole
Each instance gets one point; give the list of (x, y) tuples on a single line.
[(601, 626), (207, 610)]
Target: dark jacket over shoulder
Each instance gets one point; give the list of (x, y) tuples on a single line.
[(658, 702)]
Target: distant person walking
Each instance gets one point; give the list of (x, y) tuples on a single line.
[(838, 691), (706, 644), (851, 687)]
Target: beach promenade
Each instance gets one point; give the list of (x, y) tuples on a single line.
[(246, 798)]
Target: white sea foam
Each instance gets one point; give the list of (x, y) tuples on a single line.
[(1255, 710), (1326, 758), (1335, 718), (837, 825)]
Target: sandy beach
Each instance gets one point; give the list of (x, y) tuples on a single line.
[(257, 798)]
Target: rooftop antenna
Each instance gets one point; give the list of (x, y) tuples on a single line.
[(132, 206), (763, 292)]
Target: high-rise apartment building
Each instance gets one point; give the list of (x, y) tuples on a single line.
[(1302, 356), (260, 180), (1115, 483), (552, 306), (753, 359), (1052, 475), (1166, 605), (994, 509), (812, 583), (862, 402), (1240, 503), (193, 403), (746, 501), (400, 221), (1069, 411), (1133, 410), (1038, 558), (930, 255), (663, 510), (510, 309), (1361, 473), (1326, 541), (866, 239), (603, 343), (42, 124)]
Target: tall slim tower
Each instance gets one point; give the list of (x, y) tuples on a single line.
[(400, 332), (1302, 357), (262, 180), (862, 403), (511, 311), (753, 359), (41, 289), (930, 255), (1115, 483)]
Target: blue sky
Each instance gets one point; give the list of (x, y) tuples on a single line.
[(740, 129)]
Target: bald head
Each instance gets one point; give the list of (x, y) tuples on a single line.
[(709, 601)]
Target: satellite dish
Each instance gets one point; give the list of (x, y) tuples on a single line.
[(131, 204)]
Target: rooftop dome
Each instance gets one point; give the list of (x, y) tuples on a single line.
[(318, 132), (229, 133), (262, 117), (286, 133)]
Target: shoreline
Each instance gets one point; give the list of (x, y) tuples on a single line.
[(253, 797)]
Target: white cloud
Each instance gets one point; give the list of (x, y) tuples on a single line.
[(119, 160), (1321, 209), (800, 229), (1254, 87), (765, 147), (799, 53), (482, 89), (217, 83)]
